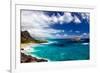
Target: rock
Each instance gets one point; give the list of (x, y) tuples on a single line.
[(41, 60), (22, 49), (26, 37), (76, 38), (27, 59)]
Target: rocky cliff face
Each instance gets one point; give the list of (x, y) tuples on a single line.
[(25, 37), (27, 59)]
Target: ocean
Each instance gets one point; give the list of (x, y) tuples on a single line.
[(62, 50)]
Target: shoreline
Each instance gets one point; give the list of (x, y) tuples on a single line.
[(26, 45), (29, 59), (26, 57)]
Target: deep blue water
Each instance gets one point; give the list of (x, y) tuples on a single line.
[(62, 50)]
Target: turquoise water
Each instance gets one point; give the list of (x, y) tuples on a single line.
[(62, 50)]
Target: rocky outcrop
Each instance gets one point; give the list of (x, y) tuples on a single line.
[(26, 38), (27, 59)]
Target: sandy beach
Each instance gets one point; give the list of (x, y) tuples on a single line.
[(26, 57), (25, 45)]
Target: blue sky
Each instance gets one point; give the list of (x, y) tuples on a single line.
[(71, 27), (53, 24)]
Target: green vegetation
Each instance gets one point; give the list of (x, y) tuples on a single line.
[(41, 41)]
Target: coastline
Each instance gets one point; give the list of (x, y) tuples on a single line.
[(26, 57), (26, 45)]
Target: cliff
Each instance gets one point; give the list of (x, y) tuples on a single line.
[(27, 59), (26, 38)]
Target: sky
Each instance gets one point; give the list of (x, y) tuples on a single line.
[(55, 24)]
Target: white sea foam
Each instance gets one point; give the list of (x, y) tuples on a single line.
[(29, 48), (39, 57), (85, 43)]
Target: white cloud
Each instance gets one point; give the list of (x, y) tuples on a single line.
[(38, 23), (61, 19), (84, 34), (36, 19), (77, 31), (43, 32), (85, 16), (54, 19), (61, 36), (65, 35), (57, 35), (68, 17), (76, 19)]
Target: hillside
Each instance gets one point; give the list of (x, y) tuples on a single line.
[(26, 38)]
